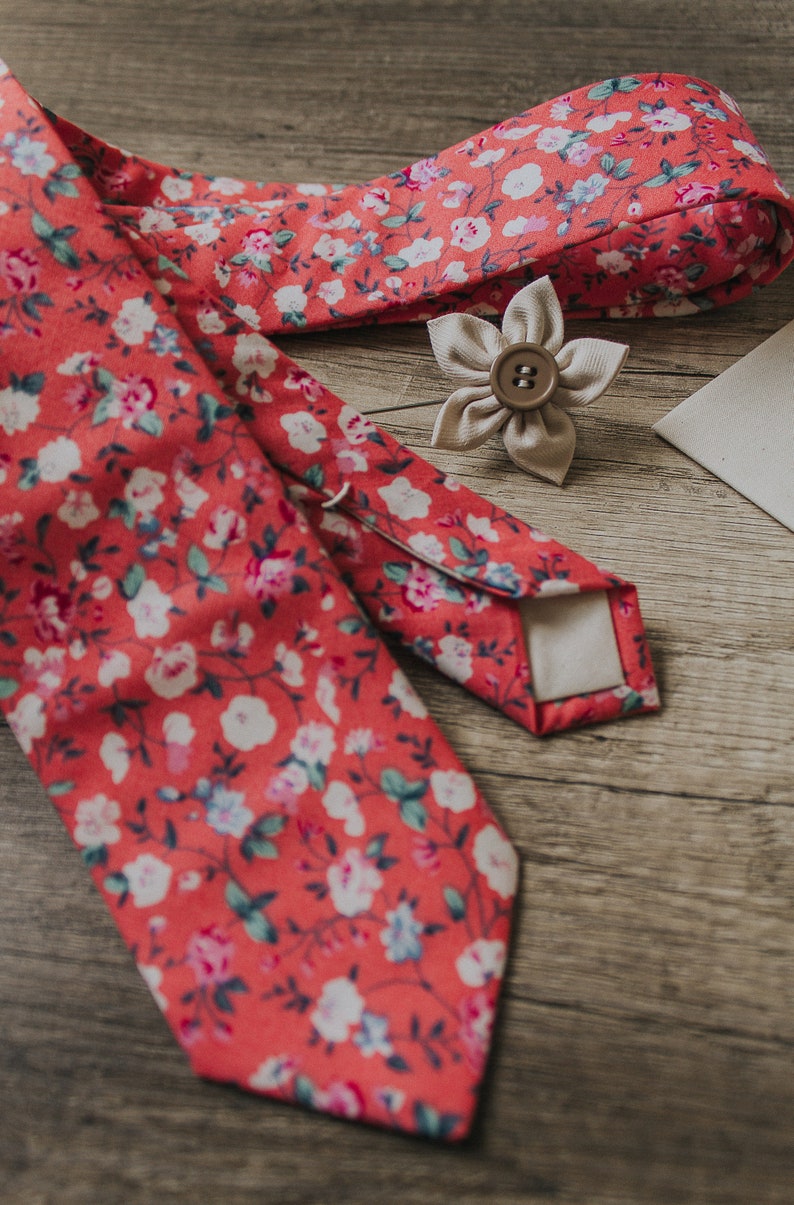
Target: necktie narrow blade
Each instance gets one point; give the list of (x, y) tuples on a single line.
[(639, 196)]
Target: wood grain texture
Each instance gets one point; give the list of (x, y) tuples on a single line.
[(645, 1051)]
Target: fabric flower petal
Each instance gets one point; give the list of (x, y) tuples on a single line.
[(465, 345), (534, 315), (587, 368), (541, 442), (468, 418)]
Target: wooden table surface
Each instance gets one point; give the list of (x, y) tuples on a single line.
[(645, 1049)]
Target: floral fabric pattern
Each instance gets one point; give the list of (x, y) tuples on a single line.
[(197, 541)]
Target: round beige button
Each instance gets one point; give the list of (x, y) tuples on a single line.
[(524, 376)]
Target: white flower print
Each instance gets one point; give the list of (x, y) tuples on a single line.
[(313, 743), (176, 188), (31, 158), (454, 658), (666, 120), (456, 271), (115, 756), (495, 858), (453, 790), (57, 459), (143, 491), (606, 121), (112, 666), (156, 221), (481, 962), (77, 363), (148, 879), (341, 804), (172, 672), (28, 721), (750, 150), (18, 409), (404, 501), (352, 882), (422, 251), (330, 249), (613, 262), (552, 139), (522, 181), (191, 495), (247, 723), (331, 291), (401, 690), (290, 299), (178, 728), (325, 694), (427, 546), (149, 609), (354, 425), (304, 432), (153, 977), (136, 320), (338, 1010), (470, 233), (95, 822), (376, 199), (489, 157), (78, 509), (481, 526), (254, 353), (291, 665), (275, 1072)]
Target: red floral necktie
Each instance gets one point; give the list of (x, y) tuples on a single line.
[(196, 539)]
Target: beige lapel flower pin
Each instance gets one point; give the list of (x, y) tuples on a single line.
[(520, 380)]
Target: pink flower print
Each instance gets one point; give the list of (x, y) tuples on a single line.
[(376, 199), (209, 954), (581, 153), (226, 526), (179, 733), (11, 539), (476, 1015), (425, 855), (271, 576), (309, 386), (258, 243), (286, 787), (172, 672), (53, 611), (423, 589), (672, 279), (341, 1099), (135, 395), (456, 193), (693, 192), (422, 175), (353, 881), (20, 270)]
